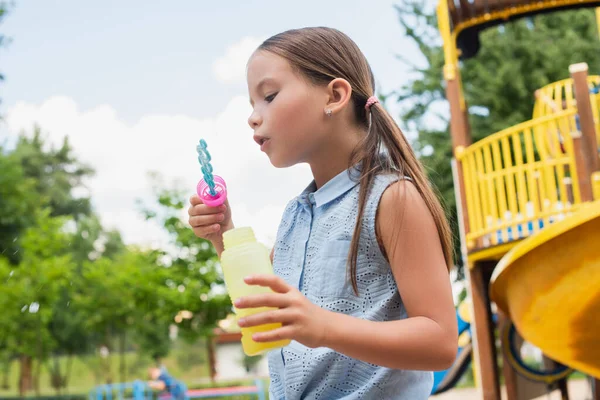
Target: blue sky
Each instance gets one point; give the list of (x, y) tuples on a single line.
[(135, 84)]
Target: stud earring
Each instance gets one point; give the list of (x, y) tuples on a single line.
[(328, 112)]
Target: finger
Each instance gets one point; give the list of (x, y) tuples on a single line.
[(195, 200), (203, 209), (274, 282), (206, 231), (266, 317), (263, 300), (274, 335), (198, 221)]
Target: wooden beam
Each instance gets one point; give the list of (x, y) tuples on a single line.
[(596, 389), (584, 175), (459, 130), (484, 330), (579, 73), (510, 376), (459, 123)]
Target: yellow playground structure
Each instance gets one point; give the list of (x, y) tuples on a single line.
[(529, 206)]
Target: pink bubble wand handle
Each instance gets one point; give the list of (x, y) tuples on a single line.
[(203, 190)]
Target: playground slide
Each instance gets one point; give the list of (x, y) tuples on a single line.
[(549, 286)]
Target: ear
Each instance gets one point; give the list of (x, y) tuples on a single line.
[(339, 94)]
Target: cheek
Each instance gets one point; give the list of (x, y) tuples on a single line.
[(296, 115)]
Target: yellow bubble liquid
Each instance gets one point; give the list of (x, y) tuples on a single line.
[(244, 256)]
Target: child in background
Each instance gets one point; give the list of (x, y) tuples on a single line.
[(162, 381), (362, 255)]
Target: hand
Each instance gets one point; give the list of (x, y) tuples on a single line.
[(209, 222), (301, 320)]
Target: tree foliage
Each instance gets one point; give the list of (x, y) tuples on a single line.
[(499, 83), (71, 287)]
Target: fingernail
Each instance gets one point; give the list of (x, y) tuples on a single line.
[(221, 217), (237, 302), (241, 322), (248, 278), (222, 208)]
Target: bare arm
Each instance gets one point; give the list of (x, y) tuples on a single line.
[(157, 385), (427, 339)]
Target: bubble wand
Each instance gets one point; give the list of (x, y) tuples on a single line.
[(212, 189)]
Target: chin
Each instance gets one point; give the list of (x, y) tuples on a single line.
[(281, 162)]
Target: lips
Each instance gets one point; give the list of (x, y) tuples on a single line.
[(265, 143), (260, 140)]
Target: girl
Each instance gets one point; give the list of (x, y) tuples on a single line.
[(362, 255)]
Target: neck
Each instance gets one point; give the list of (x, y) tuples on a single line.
[(333, 157)]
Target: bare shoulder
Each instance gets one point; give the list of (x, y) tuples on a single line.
[(402, 200), (402, 217)]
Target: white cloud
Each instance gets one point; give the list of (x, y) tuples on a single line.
[(122, 155), (231, 67)]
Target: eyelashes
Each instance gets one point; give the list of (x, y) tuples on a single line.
[(270, 97), (267, 99)]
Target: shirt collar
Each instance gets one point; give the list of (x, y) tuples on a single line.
[(334, 188)]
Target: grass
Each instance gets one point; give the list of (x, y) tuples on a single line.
[(186, 362), (86, 373)]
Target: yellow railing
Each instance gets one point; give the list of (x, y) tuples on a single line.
[(560, 96), (596, 185), (520, 179)]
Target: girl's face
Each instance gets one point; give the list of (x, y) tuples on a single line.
[(288, 115)]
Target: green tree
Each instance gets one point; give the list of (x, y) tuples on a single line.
[(18, 209), (499, 83), (38, 176), (88, 242), (30, 292), (114, 295), (56, 171), (17, 205), (109, 299), (194, 275)]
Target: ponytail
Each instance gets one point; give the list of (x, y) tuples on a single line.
[(384, 134)]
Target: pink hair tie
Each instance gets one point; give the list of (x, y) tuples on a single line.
[(372, 100)]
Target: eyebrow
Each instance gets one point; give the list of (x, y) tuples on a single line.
[(263, 82)]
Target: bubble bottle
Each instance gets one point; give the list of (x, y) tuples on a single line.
[(242, 256)]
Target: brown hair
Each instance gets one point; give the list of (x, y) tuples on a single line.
[(323, 54)]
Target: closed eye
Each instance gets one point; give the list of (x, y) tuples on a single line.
[(270, 97)]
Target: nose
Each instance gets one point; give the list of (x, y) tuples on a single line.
[(254, 120)]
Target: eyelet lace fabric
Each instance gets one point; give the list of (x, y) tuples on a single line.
[(311, 253)]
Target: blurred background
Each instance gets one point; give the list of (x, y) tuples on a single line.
[(101, 107)]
